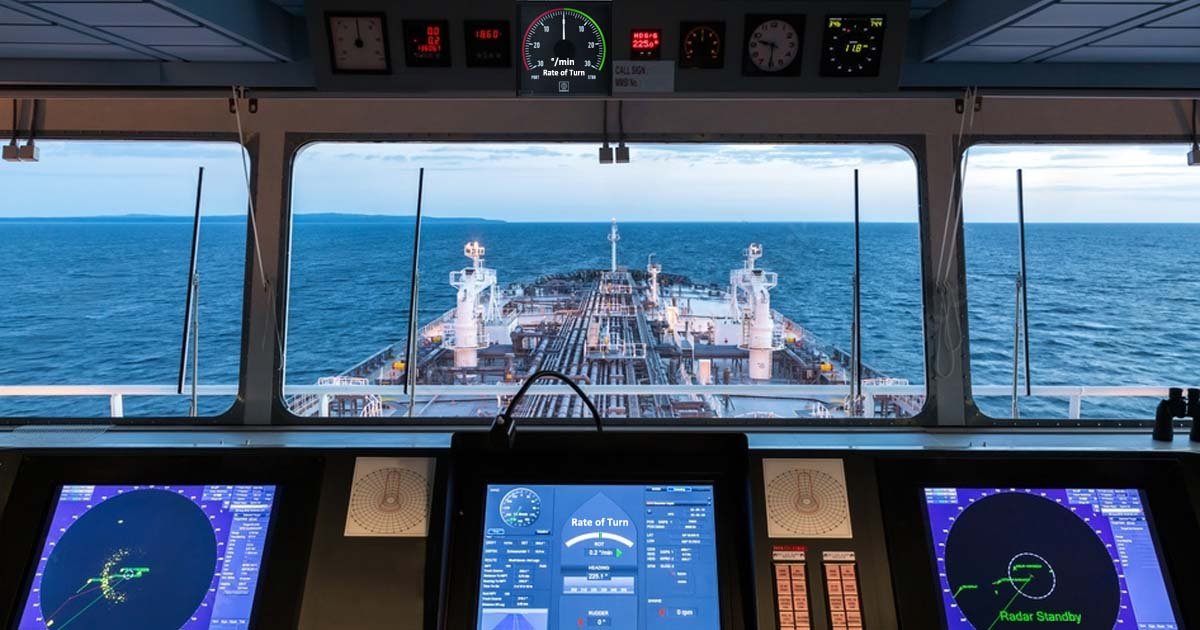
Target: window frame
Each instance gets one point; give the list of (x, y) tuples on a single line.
[(234, 415), (912, 144), (975, 416)]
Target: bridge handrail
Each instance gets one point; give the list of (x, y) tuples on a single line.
[(116, 393)]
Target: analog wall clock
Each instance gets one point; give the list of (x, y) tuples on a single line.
[(772, 45)]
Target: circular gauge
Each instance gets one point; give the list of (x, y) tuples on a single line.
[(703, 45), (564, 51), (520, 507), (772, 47), (851, 46)]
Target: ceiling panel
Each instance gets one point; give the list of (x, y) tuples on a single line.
[(115, 13), (1184, 18), (11, 34), (1033, 36), (1086, 14), (1154, 37), (296, 7), (67, 51), (215, 53), (9, 16), (171, 35), (1131, 54), (918, 8), (993, 54)]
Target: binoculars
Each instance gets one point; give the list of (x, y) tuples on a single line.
[(1176, 407)]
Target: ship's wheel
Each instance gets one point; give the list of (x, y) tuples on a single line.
[(805, 502), (390, 501)]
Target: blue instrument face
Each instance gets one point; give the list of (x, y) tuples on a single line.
[(520, 507), (629, 556)]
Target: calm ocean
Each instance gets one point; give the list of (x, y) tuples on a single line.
[(101, 301)]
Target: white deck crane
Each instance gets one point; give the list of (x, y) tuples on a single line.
[(472, 282), (653, 269), (758, 324)]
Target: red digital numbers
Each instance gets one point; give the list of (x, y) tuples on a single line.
[(433, 40), (487, 34), (647, 39)]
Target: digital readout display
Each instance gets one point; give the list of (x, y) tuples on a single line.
[(645, 43)]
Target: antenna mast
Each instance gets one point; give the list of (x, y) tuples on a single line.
[(191, 310), (1021, 305)]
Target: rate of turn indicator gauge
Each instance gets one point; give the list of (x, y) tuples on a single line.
[(564, 50)]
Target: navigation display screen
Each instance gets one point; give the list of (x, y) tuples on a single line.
[(599, 556), (150, 557), (1047, 558)]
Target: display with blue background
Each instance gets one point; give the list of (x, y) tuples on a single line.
[(1092, 553), (599, 556)]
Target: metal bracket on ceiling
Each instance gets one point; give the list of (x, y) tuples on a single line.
[(251, 103), (960, 105)]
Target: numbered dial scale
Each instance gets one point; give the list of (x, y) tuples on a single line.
[(702, 45), (520, 507), (564, 50), (852, 46), (772, 45)]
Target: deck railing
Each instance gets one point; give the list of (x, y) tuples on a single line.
[(116, 394)]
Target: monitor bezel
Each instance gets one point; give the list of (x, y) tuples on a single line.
[(902, 487), (472, 475), (24, 530)]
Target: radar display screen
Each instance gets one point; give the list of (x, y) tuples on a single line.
[(1047, 558), (564, 49), (599, 556), (150, 556)]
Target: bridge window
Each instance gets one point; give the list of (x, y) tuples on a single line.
[(95, 241), (698, 281), (1110, 278)]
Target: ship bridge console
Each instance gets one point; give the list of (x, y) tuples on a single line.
[(609, 314)]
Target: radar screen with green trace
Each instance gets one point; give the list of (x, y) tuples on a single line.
[(150, 557), (1047, 558)]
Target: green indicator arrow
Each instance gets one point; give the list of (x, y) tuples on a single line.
[(620, 553)]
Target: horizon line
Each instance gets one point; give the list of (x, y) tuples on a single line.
[(135, 216)]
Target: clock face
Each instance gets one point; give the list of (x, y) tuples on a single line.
[(358, 43), (773, 45), (852, 46), (702, 45)]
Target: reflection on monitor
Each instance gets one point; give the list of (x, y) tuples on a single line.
[(613, 556), (150, 557), (1051, 558)]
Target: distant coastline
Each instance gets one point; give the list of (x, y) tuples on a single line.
[(322, 217)]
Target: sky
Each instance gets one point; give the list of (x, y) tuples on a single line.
[(565, 182)]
